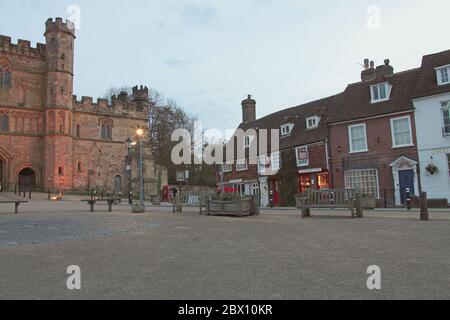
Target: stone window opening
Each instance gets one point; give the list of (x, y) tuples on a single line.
[(4, 125), (106, 130), (103, 131), (79, 166), (5, 79), (78, 131), (61, 171)]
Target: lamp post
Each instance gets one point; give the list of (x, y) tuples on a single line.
[(140, 208), (128, 170), (140, 134)]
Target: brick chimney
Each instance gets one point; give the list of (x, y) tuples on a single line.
[(385, 70), (248, 110), (371, 73)]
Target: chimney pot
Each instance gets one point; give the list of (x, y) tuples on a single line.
[(366, 64)]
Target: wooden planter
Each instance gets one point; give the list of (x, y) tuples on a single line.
[(240, 207)]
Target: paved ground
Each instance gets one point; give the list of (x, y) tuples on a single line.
[(276, 255)]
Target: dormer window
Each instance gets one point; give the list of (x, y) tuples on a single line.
[(312, 122), (286, 129), (443, 75), (380, 92)]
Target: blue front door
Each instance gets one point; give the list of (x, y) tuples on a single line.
[(406, 181)]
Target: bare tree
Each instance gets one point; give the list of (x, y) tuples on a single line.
[(165, 116)]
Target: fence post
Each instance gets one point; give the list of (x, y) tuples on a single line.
[(29, 193), (385, 198), (15, 189), (239, 207), (358, 204), (424, 215)]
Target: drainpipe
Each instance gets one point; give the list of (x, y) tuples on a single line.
[(329, 163)]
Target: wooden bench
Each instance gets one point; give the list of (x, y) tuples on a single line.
[(16, 204), (190, 200), (331, 199), (92, 203)]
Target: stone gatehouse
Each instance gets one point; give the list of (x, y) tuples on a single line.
[(49, 139)]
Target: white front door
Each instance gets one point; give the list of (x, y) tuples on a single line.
[(264, 192)]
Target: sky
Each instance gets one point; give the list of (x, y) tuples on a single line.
[(207, 55)]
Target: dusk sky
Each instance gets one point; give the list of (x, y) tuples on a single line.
[(208, 55)]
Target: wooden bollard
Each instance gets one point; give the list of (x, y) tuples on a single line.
[(424, 215)]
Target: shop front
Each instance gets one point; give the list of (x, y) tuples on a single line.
[(313, 179)]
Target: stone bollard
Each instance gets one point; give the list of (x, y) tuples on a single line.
[(424, 215)]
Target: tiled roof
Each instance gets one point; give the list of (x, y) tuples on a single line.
[(296, 115), (427, 80), (355, 101)]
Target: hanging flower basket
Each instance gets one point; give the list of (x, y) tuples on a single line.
[(432, 169)]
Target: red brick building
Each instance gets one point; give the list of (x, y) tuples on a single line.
[(300, 163), (372, 135), (49, 139), (364, 138)]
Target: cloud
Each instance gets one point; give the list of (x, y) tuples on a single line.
[(198, 14), (175, 62)]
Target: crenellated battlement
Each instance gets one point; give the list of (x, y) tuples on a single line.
[(121, 105), (140, 92), (23, 47), (58, 25)]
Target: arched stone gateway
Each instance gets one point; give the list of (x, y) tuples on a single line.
[(2, 184), (27, 179), (4, 171)]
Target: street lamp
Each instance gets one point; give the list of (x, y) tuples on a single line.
[(140, 208), (140, 134), (128, 143)]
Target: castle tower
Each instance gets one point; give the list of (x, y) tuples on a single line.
[(141, 98), (60, 38)]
